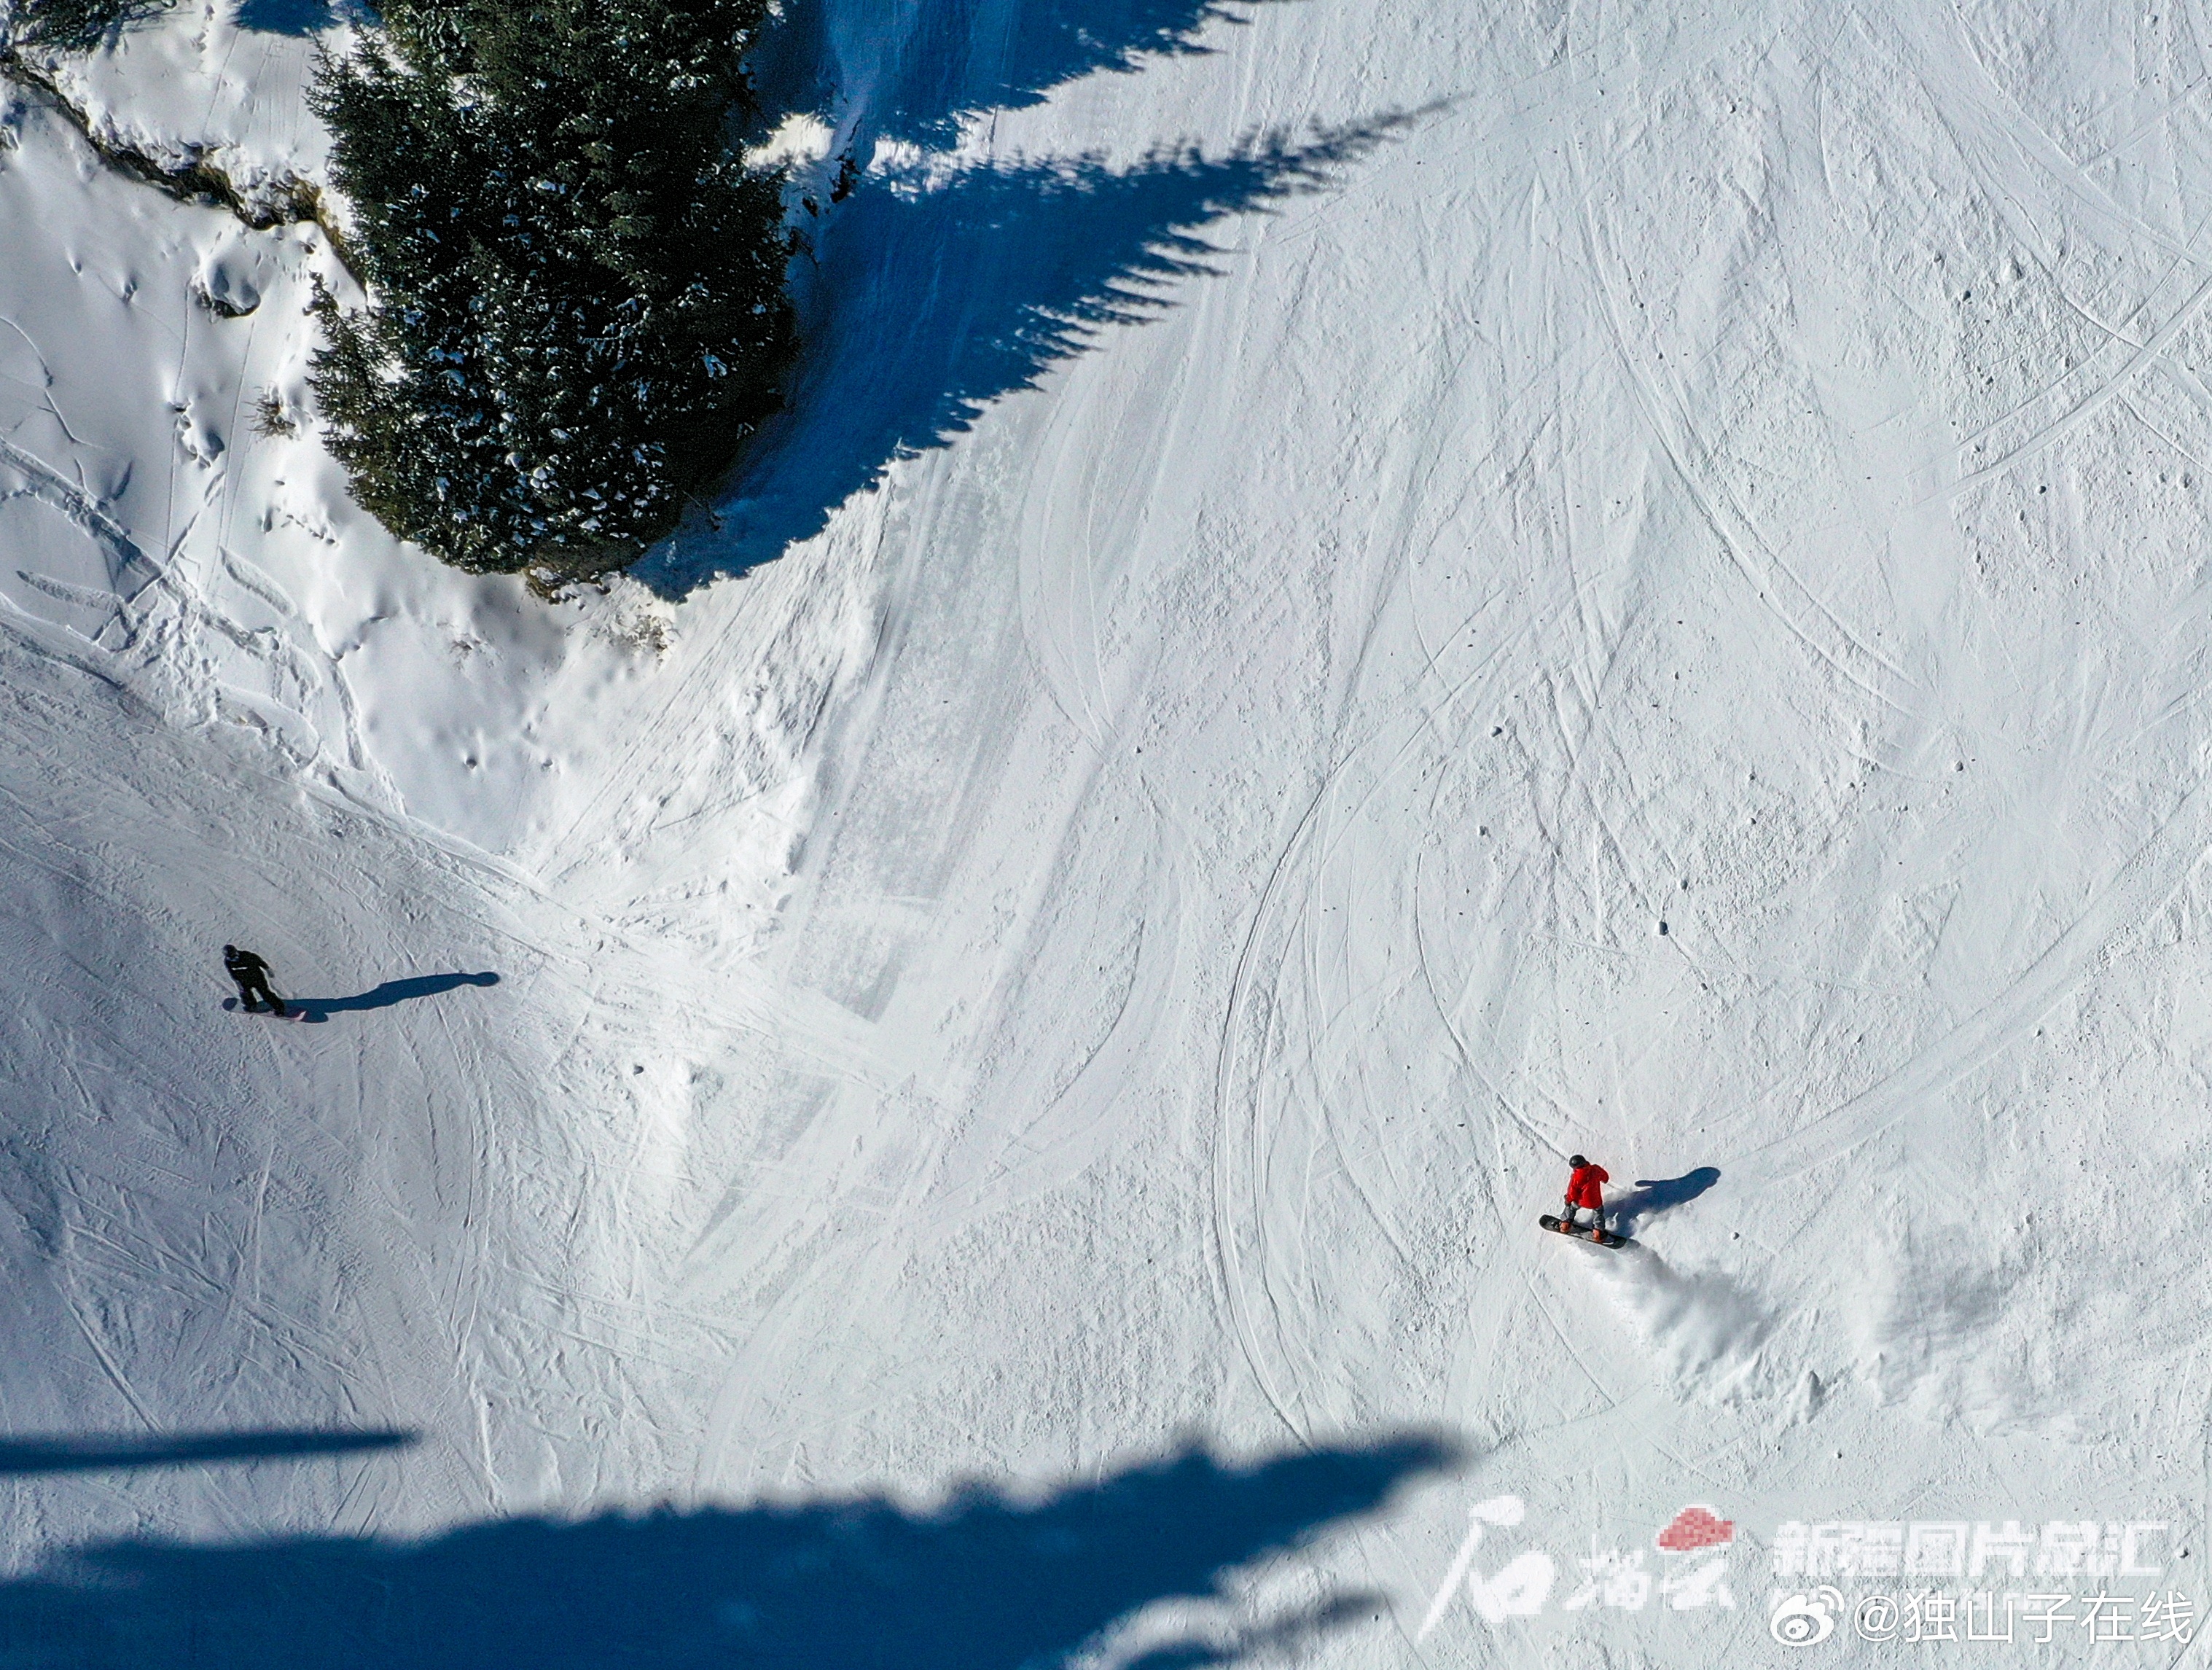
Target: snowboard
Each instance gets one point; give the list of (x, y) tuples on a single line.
[(292, 1013), (1558, 1228)]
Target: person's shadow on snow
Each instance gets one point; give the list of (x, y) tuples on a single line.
[(1627, 1212), (390, 993), (931, 292), (380, 997), (989, 1581)]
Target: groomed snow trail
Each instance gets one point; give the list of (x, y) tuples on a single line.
[(1643, 593)]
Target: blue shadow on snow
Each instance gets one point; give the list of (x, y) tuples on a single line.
[(928, 304), (391, 992), (302, 18), (958, 56), (989, 1581), (1651, 1197), (929, 296), (105, 1451), (947, 59), (286, 17)]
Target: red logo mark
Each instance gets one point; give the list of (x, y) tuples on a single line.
[(1696, 1528)]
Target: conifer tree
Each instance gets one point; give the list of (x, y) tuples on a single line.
[(577, 305), (70, 25)]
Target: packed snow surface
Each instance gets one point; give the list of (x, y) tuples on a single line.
[(1358, 596)]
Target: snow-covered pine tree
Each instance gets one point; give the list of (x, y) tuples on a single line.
[(68, 24), (577, 294)]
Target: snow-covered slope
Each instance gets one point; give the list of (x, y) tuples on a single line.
[(1358, 597)]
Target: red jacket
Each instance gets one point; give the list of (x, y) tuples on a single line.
[(1583, 1187)]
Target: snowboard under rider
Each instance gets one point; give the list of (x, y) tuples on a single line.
[(1585, 1188), (252, 975)]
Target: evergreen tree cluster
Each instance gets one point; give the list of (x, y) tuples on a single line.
[(71, 25), (577, 294)]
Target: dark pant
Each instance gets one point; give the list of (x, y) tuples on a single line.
[(1597, 1214), (250, 984)]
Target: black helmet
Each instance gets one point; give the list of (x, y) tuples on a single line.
[(230, 951), (1576, 1160)]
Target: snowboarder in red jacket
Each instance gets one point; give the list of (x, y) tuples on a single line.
[(1585, 1187)]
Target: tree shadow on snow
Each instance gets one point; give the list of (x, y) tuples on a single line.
[(1651, 1197), (929, 294), (952, 59), (105, 1451), (932, 302), (302, 18), (285, 17), (988, 1582), (390, 993)]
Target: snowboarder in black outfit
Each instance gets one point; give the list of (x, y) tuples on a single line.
[(252, 975)]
